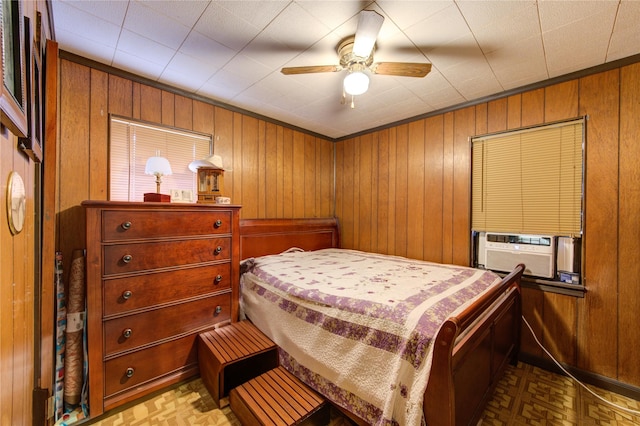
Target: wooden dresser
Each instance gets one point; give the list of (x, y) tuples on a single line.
[(158, 274)]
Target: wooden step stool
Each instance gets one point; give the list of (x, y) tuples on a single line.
[(278, 398), (229, 356)]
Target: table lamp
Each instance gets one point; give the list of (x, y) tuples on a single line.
[(157, 166)]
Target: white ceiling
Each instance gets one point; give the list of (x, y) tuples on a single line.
[(232, 51)]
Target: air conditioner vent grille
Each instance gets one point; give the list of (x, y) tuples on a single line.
[(537, 264)]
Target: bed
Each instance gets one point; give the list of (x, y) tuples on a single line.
[(438, 364)]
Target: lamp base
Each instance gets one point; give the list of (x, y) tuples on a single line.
[(153, 196)]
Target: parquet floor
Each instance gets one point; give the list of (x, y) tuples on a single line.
[(526, 395)]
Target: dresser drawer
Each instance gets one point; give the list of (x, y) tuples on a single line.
[(136, 368), (126, 258), (141, 291), (132, 331), (127, 225)]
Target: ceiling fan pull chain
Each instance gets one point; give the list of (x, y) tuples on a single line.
[(353, 104)]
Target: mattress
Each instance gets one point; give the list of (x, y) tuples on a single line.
[(358, 327)]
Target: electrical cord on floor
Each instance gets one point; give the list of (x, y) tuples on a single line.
[(628, 410)]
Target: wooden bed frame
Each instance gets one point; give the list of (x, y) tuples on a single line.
[(472, 349)]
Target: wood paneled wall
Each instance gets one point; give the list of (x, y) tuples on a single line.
[(275, 171), (17, 303), (19, 283), (406, 191)]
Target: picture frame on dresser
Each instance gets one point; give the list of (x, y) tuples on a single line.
[(13, 98)]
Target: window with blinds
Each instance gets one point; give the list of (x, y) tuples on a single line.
[(131, 143), (529, 181)]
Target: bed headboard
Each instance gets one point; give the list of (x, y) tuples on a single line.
[(259, 237)]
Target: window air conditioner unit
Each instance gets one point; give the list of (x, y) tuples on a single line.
[(503, 251)]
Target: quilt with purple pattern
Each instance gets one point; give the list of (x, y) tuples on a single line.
[(358, 327)]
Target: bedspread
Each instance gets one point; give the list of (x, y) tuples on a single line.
[(358, 327)]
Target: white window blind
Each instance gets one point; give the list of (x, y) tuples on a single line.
[(131, 143), (529, 181)]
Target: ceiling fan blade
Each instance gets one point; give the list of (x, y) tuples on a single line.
[(369, 24), (403, 69), (310, 69)]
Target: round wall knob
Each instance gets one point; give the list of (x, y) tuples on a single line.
[(218, 279), (217, 250), (126, 225), (218, 223), (126, 294), (126, 333), (127, 258), (129, 372)]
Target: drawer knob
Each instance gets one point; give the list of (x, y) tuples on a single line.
[(217, 250), (218, 279), (218, 223), (127, 258), (129, 372), (218, 310), (126, 294), (126, 225), (126, 333)]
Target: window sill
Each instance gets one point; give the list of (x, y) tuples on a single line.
[(551, 286)]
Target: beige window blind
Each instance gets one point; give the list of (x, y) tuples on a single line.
[(529, 181), (131, 143)]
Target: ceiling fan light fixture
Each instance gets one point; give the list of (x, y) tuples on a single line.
[(356, 83)]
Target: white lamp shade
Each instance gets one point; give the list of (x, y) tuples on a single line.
[(213, 161), (356, 83), (158, 165)]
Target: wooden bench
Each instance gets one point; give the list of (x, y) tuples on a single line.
[(229, 356), (278, 398)]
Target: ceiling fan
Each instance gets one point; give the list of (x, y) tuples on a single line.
[(356, 56)]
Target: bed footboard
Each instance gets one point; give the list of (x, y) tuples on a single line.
[(470, 354)]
